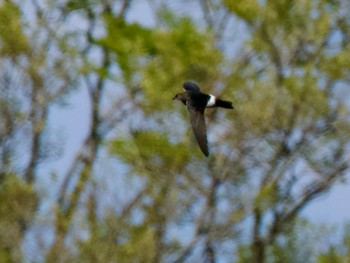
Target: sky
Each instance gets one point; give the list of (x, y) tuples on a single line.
[(72, 122), (332, 207)]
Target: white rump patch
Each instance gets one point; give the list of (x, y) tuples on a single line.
[(211, 101)]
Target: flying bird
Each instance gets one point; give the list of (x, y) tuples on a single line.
[(196, 102)]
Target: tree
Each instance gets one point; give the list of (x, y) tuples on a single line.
[(138, 189), (296, 144), (338, 252), (30, 83)]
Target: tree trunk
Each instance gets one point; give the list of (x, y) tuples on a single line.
[(259, 249)]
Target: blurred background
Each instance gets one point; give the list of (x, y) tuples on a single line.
[(98, 164)]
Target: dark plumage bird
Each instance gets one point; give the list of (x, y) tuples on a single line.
[(196, 102)]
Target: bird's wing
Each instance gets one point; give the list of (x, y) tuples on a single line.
[(198, 125), (191, 86)]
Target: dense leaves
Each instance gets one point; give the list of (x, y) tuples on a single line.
[(137, 188)]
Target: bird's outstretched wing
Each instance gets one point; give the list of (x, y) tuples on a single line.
[(198, 125), (191, 86)]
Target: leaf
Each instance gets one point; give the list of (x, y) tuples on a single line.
[(13, 41), (151, 149)]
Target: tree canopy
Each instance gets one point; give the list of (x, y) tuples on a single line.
[(138, 189)]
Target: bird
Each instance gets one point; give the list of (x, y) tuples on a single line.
[(196, 103)]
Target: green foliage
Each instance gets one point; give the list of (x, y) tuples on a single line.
[(264, 154), (161, 59), (151, 150), (300, 243), (112, 243), (284, 23), (244, 254), (331, 256), (182, 52), (337, 253), (13, 41), (307, 96), (17, 204), (245, 9), (295, 246), (263, 107), (130, 42), (74, 5), (266, 197), (140, 246), (337, 66)]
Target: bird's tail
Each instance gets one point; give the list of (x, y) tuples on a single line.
[(224, 104)]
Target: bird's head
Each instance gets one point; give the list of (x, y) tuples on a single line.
[(176, 97), (181, 97)]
